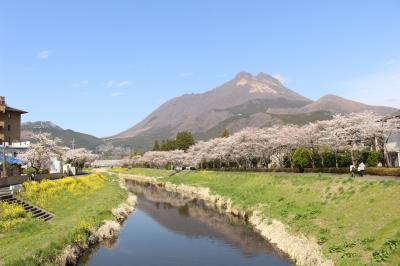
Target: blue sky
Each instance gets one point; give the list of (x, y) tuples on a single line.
[(101, 66)]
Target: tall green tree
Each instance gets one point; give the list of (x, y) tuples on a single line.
[(168, 145), (184, 140), (225, 133), (156, 146)]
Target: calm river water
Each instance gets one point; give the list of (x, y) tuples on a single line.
[(167, 229)]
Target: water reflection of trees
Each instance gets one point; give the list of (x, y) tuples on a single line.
[(194, 218)]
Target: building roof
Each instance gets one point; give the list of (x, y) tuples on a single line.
[(10, 160), (8, 108)]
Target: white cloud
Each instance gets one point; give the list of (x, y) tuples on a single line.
[(116, 94), (124, 83), (44, 54), (379, 88), (280, 77), (81, 83), (185, 74), (118, 84)]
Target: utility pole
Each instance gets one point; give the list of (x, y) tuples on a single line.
[(3, 110), (73, 143), (4, 159)]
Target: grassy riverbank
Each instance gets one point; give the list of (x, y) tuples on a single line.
[(143, 171), (355, 221), (78, 204)]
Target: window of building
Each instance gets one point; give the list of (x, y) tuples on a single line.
[(9, 127), (9, 115)]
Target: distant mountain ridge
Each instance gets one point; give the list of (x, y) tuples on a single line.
[(336, 104), (67, 136), (247, 100)]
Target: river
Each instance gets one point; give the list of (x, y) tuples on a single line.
[(167, 229)]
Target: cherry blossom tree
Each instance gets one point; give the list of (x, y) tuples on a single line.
[(391, 130), (41, 151), (79, 157), (254, 147), (354, 132)]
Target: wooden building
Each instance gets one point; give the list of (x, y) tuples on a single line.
[(10, 122)]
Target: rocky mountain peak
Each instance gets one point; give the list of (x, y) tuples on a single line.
[(261, 83), (243, 75)]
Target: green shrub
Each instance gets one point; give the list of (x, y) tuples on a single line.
[(374, 158), (329, 159), (384, 253), (30, 171), (382, 171), (301, 158), (344, 159)]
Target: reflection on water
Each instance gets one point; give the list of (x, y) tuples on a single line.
[(168, 229)]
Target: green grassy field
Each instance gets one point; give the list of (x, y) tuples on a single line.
[(356, 222), (78, 205)]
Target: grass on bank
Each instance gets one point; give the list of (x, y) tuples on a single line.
[(78, 203), (144, 171), (356, 221)]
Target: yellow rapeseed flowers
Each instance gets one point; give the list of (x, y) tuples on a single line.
[(41, 193)]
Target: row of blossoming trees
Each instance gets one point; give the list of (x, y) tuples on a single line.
[(45, 149), (344, 136)]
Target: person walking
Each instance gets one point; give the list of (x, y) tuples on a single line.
[(353, 170), (361, 169)]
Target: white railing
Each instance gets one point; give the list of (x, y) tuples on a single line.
[(20, 145)]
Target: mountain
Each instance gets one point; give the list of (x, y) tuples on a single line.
[(198, 112), (339, 105), (257, 101), (241, 102), (67, 136)]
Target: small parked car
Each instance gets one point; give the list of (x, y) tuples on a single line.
[(178, 168)]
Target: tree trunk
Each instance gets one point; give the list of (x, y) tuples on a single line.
[(352, 157), (387, 158), (336, 160), (376, 144), (238, 164)]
